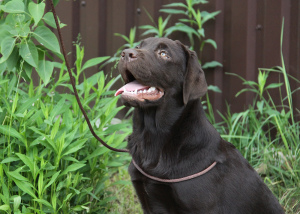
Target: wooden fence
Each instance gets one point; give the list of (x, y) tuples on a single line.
[(247, 33)]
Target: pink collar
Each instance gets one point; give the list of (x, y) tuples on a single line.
[(174, 180)]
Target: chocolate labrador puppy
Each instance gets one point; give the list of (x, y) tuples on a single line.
[(172, 139)]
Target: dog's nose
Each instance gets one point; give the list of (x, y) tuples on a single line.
[(129, 55)]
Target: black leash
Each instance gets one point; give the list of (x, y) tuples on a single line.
[(74, 88)]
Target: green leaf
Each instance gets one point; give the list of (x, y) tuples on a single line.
[(94, 61), (176, 5), (274, 85), (17, 202), (96, 153), (57, 109), (29, 53), (5, 190), (201, 32), (13, 59), (5, 31), (72, 168), (65, 200), (172, 11), (28, 70), (25, 187), (250, 83), (53, 178), (26, 104), (146, 27), (4, 81), (214, 88), (42, 201), (132, 35), (188, 21), (197, 16), (55, 128), (10, 159), (40, 183), (49, 19), (69, 158), (212, 64), (207, 16), (209, 41), (272, 112), (74, 147), (7, 46), (163, 25), (245, 90), (47, 38), (199, 1), (17, 176), (14, 6), (45, 70), (55, 2), (37, 11), (260, 105), (28, 162), (5, 207), (154, 30), (115, 164), (18, 19), (48, 143), (3, 67), (9, 131), (20, 29), (123, 36), (183, 28)]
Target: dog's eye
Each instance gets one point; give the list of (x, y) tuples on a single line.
[(163, 54)]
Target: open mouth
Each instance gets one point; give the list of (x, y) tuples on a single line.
[(137, 91)]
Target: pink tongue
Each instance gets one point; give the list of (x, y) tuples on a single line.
[(132, 86)]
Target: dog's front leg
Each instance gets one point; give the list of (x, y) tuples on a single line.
[(142, 195)]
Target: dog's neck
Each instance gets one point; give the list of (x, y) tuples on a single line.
[(160, 131)]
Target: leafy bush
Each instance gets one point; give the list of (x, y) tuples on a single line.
[(49, 161)]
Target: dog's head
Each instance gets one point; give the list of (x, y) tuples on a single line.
[(157, 69)]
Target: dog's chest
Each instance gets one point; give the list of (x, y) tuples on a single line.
[(183, 197)]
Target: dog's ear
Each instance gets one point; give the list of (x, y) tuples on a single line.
[(194, 84)]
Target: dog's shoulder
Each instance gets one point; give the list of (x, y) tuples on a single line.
[(231, 157)]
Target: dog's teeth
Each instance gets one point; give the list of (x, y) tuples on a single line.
[(145, 91), (135, 92), (151, 89)]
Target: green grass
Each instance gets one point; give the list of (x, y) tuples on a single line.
[(126, 199)]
